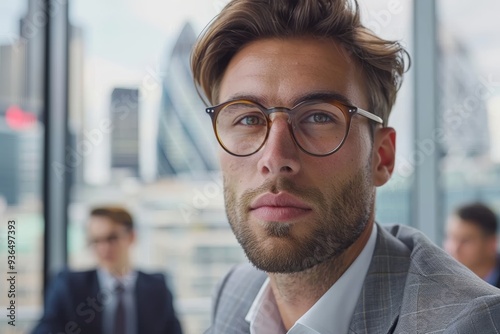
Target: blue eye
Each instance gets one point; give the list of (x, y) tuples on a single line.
[(252, 120), (319, 118)]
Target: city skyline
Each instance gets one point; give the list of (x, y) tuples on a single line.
[(182, 219), (185, 144)]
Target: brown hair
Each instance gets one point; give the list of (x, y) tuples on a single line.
[(479, 215), (117, 214), (244, 21)]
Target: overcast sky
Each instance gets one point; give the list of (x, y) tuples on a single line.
[(475, 21)]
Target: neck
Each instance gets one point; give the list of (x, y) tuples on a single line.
[(121, 270), (296, 293)]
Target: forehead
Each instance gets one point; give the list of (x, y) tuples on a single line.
[(279, 71), (102, 225), (458, 226)]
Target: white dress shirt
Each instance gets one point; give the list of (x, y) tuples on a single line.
[(331, 314), (107, 285)]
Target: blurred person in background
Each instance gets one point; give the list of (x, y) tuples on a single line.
[(471, 238), (301, 94), (114, 298)]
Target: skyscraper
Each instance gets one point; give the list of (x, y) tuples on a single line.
[(12, 75), (33, 38), (9, 164), (186, 144), (125, 132), (462, 100), (21, 102), (21, 149)]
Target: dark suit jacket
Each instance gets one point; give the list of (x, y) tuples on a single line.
[(412, 286), (497, 283), (74, 302)]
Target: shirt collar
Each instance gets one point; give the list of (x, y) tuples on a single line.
[(264, 315), (332, 313), (108, 281)]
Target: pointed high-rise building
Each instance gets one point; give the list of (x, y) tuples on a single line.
[(186, 144)]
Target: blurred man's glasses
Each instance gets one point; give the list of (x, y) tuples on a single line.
[(110, 239), (318, 127)]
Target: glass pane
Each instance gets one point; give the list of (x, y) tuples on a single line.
[(146, 143), (21, 147), (393, 20), (469, 77)]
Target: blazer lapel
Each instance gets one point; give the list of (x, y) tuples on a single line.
[(235, 296), (95, 326), (143, 304), (379, 304)]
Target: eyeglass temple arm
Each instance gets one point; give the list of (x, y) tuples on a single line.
[(369, 115)]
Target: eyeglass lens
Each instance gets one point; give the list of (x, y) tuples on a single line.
[(318, 127)]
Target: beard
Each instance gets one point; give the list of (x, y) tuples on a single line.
[(341, 215)]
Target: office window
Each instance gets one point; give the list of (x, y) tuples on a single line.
[(469, 86), (21, 147), (130, 69), (393, 19)]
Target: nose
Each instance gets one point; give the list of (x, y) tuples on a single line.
[(280, 154), (103, 247)]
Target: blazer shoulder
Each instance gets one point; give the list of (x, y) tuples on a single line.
[(154, 284), (438, 289), (71, 278), (482, 315), (151, 279), (234, 296), (243, 279), (80, 275), (154, 275), (431, 266)]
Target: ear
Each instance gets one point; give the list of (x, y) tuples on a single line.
[(132, 237), (492, 244), (383, 155)]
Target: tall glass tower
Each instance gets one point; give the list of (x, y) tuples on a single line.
[(186, 143)]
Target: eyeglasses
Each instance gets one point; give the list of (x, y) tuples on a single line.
[(110, 239), (318, 127)]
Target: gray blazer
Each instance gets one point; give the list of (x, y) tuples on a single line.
[(412, 286)]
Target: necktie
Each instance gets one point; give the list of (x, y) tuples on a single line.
[(119, 323)]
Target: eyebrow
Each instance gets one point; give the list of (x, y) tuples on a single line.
[(321, 95)]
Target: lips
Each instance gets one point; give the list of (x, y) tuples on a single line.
[(281, 207)]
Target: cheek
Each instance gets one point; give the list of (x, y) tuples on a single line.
[(235, 169), (337, 167), (100, 252), (471, 250), (357, 150), (227, 167)]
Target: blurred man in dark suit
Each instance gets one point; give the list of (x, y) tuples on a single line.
[(471, 238), (114, 298)]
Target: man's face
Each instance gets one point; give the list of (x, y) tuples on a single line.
[(467, 243), (290, 210), (110, 242)]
